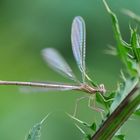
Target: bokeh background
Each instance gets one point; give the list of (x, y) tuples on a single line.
[(26, 27)]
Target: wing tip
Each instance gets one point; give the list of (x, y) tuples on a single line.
[(78, 18)]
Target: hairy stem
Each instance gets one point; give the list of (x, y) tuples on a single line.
[(119, 116)]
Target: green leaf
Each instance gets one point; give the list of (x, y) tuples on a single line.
[(117, 31), (114, 22), (132, 67), (119, 116), (92, 127), (123, 48), (101, 99), (123, 91), (128, 94), (105, 100), (135, 45), (137, 112), (120, 137), (35, 132), (86, 136)]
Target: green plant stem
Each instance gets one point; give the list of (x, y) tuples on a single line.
[(118, 116)]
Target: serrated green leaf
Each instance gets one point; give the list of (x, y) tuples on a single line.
[(76, 119), (86, 136), (132, 67), (93, 126), (122, 45), (123, 48), (81, 130), (135, 45), (123, 91), (35, 132), (120, 137), (114, 22), (105, 100), (137, 112)]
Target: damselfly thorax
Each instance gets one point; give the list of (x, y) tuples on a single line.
[(93, 90)]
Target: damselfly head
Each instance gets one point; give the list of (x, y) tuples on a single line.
[(102, 88)]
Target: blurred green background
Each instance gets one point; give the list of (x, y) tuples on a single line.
[(26, 27)]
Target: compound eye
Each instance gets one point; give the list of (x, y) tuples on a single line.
[(102, 88)]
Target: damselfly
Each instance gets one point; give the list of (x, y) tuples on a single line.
[(58, 63)]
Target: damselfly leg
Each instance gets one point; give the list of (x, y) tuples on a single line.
[(76, 104), (92, 105)]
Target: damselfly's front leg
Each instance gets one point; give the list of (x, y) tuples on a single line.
[(93, 106), (76, 104), (90, 105)]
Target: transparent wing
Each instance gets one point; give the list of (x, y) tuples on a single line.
[(57, 63), (78, 37)]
